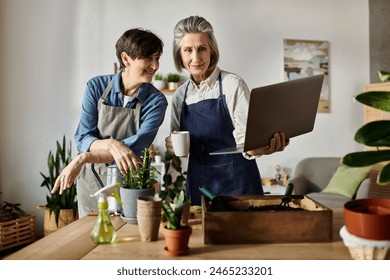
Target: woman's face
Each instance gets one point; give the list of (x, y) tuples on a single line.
[(142, 70), (195, 52)]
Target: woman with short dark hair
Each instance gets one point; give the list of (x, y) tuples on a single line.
[(120, 116)]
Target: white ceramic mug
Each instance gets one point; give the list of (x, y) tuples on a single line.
[(181, 143)]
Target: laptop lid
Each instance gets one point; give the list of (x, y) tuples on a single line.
[(289, 107)]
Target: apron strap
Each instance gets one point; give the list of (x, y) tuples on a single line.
[(97, 177), (107, 91)]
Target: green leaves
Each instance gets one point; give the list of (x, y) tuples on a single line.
[(374, 134), (55, 163), (173, 212), (143, 177), (376, 99)]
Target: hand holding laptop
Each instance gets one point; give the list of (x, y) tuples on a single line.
[(277, 143)]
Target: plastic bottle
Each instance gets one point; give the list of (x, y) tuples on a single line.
[(104, 232)]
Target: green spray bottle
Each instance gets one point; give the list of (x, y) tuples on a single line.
[(104, 232)]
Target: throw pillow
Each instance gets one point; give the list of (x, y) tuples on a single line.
[(346, 180)]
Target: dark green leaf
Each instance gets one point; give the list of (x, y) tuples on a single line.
[(376, 99), (374, 134), (366, 158), (384, 175)]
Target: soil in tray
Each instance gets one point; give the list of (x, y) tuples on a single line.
[(272, 208)]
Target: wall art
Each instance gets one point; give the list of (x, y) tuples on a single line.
[(304, 58)]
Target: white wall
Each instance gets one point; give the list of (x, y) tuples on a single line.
[(49, 48)]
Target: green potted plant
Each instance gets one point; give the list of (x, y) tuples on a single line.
[(137, 182), (173, 80), (158, 81), (173, 168), (64, 206), (373, 134), (176, 234), (363, 217)]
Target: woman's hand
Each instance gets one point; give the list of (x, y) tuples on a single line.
[(124, 157), (69, 174), (277, 143), (168, 145)]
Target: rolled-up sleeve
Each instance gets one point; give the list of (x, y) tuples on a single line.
[(87, 131), (152, 116)]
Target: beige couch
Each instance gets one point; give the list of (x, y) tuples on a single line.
[(313, 174)]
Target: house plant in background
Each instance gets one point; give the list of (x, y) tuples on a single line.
[(16, 226), (61, 209), (176, 235), (367, 231), (136, 183), (173, 80), (173, 169), (158, 81)]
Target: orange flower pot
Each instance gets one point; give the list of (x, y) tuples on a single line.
[(368, 218), (177, 240)]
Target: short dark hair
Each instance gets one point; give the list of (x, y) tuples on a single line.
[(138, 43)]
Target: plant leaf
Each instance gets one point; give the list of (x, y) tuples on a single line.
[(366, 158), (376, 99), (374, 134), (384, 175)]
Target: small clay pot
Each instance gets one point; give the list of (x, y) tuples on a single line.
[(176, 241), (368, 218)]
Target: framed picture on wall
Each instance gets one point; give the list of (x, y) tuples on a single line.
[(304, 58)]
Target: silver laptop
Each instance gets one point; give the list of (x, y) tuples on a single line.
[(289, 107)]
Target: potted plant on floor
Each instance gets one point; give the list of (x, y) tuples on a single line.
[(370, 218), (176, 235), (136, 183), (173, 80), (63, 206)]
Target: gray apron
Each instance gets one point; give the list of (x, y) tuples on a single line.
[(113, 122)]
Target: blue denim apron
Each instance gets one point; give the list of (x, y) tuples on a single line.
[(211, 129)]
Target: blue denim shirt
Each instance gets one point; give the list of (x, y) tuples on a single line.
[(154, 105)]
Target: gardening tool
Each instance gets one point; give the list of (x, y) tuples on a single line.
[(286, 199), (218, 203)]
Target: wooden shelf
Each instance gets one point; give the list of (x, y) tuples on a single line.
[(165, 90)]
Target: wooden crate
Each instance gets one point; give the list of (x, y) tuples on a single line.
[(17, 232), (240, 227)]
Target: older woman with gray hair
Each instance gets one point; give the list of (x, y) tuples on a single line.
[(213, 107)]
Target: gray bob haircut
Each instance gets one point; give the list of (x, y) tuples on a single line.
[(194, 24)]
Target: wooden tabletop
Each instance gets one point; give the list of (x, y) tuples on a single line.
[(73, 242)]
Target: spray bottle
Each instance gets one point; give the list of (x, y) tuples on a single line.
[(104, 232)]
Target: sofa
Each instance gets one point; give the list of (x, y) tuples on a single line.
[(328, 182)]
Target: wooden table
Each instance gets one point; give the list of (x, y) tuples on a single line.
[(73, 242)]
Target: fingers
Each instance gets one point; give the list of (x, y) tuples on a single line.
[(62, 183), (277, 143), (168, 145), (130, 161)]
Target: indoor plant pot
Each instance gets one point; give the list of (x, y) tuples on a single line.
[(173, 80), (158, 81), (176, 235), (138, 182), (368, 218), (64, 206)]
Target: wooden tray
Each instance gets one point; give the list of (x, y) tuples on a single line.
[(239, 227)]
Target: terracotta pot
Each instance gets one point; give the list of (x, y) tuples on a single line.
[(368, 218), (177, 240)]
